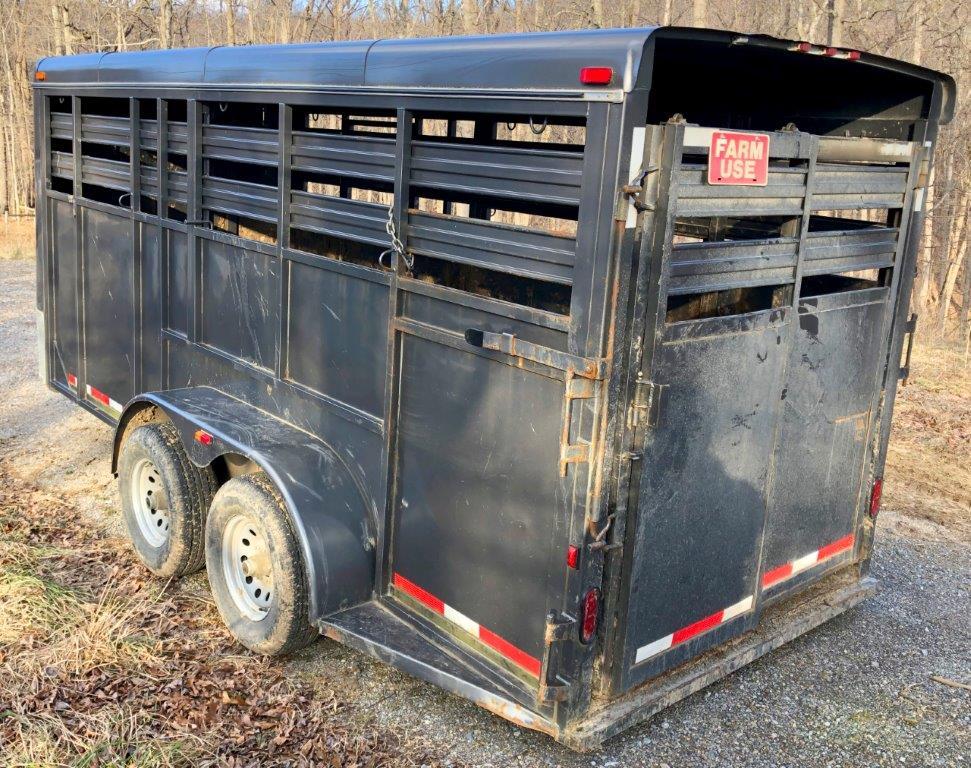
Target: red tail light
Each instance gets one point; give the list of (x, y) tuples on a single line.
[(596, 75), (203, 437), (573, 556), (590, 615), (875, 496)]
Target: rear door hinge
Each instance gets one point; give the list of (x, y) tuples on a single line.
[(646, 403), (553, 687)]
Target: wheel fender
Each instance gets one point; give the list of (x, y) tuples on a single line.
[(331, 515)]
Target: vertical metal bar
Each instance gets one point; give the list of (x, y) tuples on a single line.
[(82, 374), (283, 181), (45, 256), (161, 233), (402, 182), (134, 149), (194, 163), (162, 157)]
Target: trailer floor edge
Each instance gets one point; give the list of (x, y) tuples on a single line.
[(780, 624)]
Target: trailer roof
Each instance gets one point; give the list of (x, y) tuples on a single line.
[(544, 61)]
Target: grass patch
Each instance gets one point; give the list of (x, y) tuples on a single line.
[(101, 664), (17, 238)]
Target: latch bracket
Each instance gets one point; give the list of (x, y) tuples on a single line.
[(646, 403), (552, 687)]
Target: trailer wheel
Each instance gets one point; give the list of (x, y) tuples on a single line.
[(164, 500), (256, 568)]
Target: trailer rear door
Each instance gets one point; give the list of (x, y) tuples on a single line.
[(771, 311)]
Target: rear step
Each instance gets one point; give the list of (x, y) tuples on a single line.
[(780, 624), (384, 630)]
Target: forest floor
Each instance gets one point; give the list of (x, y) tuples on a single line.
[(102, 665)]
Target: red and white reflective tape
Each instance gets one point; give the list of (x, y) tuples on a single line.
[(788, 570), (519, 657), (650, 650), (72, 381), (103, 399)]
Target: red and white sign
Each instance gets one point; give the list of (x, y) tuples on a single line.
[(738, 158)]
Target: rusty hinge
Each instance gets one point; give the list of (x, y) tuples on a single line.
[(585, 367), (577, 388), (646, 404), (552, 687)]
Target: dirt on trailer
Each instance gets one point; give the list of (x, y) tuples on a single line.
[(102, 664)]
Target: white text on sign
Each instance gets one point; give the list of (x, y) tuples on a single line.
[(738, 158)]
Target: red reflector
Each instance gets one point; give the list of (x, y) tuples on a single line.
[(853, 55), (590, 615), (596, 75), (831, 51), (803, 47), (573, 556), (203, 437), (875, 496)]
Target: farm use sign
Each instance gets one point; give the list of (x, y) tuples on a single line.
[(738, 158)]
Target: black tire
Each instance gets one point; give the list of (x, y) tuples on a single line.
[(188, 490), (249, 505)]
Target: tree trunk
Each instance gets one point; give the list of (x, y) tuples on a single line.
[(165, 24), (231, 22), (960, 245), (699, 13)]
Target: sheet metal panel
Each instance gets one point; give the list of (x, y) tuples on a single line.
[(64, 250), (239, 310), (701, 506), (484, 541), (109, 303), (825, 422), (338, 334)]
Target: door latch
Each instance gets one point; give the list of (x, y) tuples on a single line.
[(553, 687), (646, 403)]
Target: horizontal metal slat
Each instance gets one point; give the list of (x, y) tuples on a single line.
[(178, 139), (338, 217), (148, 134), (829, 252), (112, 174), (337, 155), (253, 201), (100, 129), (781, 196), (505, 248), (62, 125), (178, 186), (242, 145), (62, 165), (846, 186), (541, 175), (697, 267)]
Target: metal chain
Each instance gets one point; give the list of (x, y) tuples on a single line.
[(397, 247)]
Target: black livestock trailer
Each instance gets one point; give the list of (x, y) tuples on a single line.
[(556, 369)]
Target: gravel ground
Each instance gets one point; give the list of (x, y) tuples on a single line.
[(858, 691)]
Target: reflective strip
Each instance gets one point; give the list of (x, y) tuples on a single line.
[(103, 399), (800, 564), (72, 381), (684, 634), (504, 647)]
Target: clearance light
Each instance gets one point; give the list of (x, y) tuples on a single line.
[(802, 47), (40, 76), (875, 496), (201, 436), (596, 75), (853, 55), (573, 556), (589, 615)]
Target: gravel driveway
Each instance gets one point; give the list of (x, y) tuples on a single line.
[(858, 691)]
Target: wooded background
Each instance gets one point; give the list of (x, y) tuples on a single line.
[(933, 33)]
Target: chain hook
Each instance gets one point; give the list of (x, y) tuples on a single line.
[(397, 247)]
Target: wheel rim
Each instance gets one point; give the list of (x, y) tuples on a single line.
[(247, 566), (150, 503)]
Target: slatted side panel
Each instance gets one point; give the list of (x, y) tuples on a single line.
[(731, 237)]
